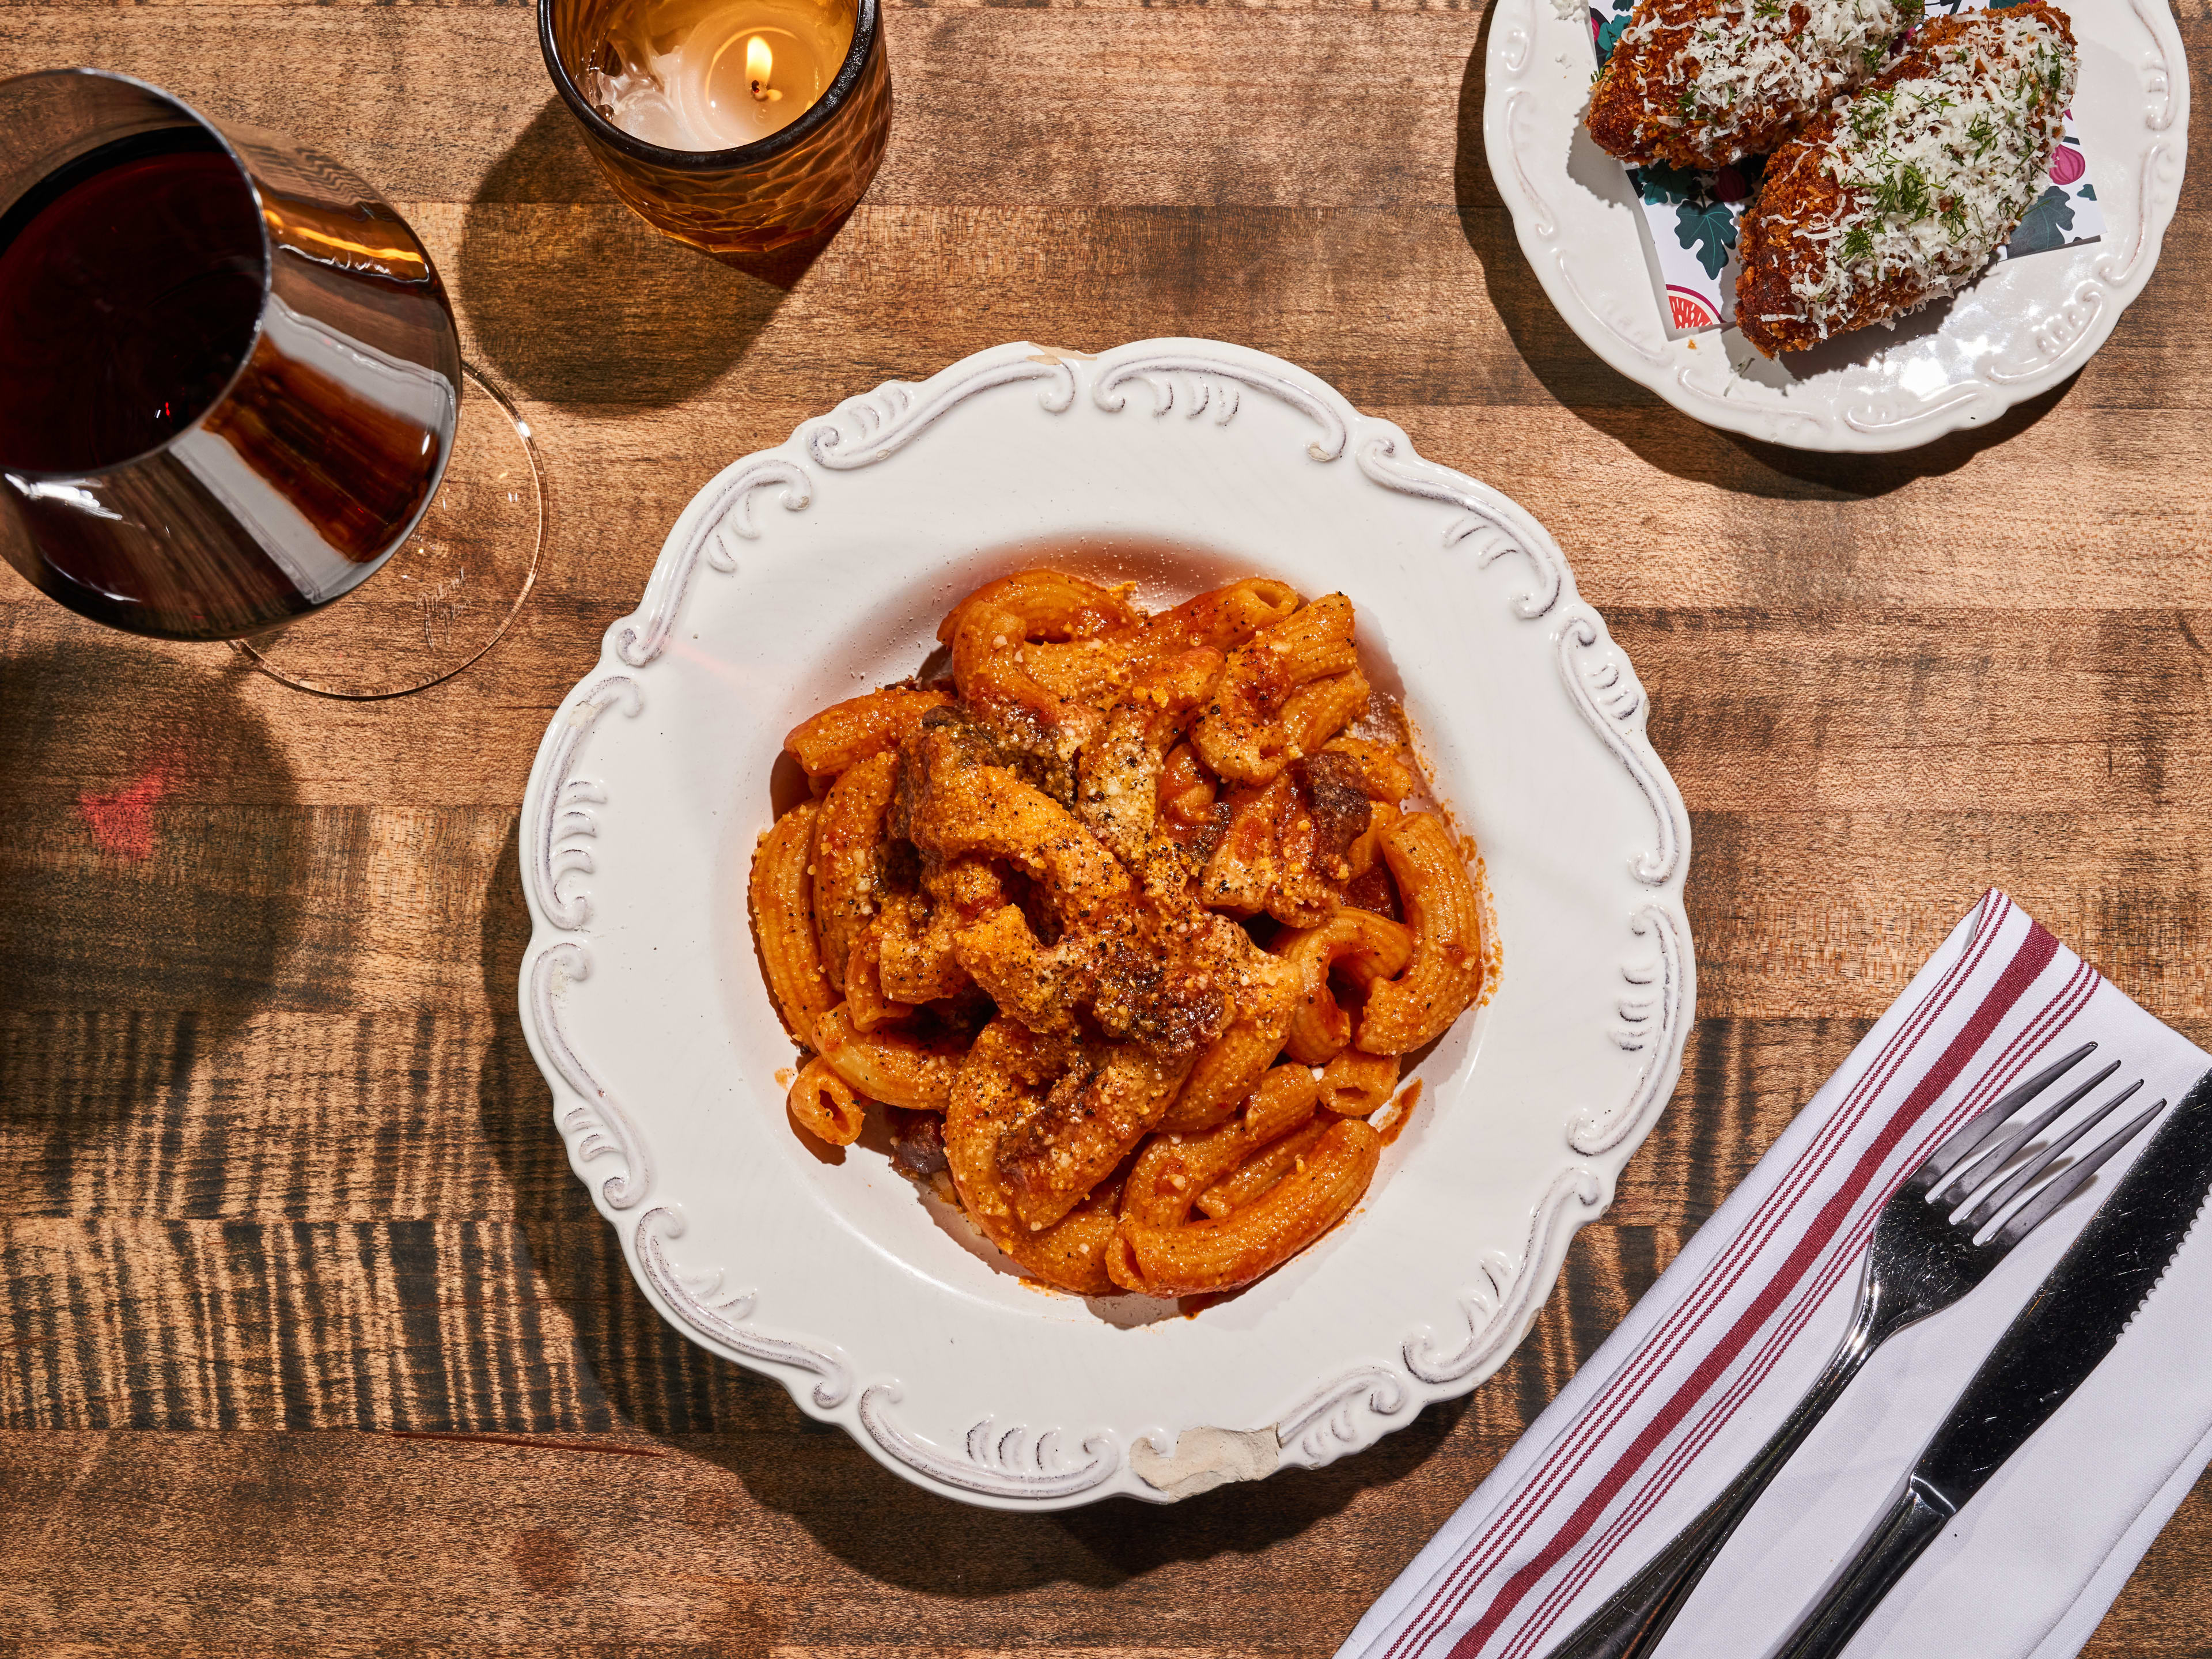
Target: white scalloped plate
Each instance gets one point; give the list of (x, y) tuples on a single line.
[(2017, 332), (814, 571)]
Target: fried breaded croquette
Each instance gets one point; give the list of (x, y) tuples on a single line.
[(1700, 83), (1900, 196)]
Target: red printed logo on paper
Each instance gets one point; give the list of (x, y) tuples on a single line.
[(1690, 310)]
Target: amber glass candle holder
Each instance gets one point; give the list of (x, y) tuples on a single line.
[(792, 187)]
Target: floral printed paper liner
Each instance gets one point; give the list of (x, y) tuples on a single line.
[(1691, 216)]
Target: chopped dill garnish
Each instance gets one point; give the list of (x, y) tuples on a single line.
[(1867, 114), (1936, 170), (1901, 193), (1904, 193)]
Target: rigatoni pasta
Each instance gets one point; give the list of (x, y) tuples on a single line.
[(823, 1104), (1319, 1029), (1257, 1236), (893, 1067), (1445, 919), (1356, 1085), (846, 733), (783, 921), (848, 850), (1146, 906)]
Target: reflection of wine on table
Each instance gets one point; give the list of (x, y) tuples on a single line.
[(220, 407)]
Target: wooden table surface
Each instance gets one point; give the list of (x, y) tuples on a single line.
[(311, 1341)]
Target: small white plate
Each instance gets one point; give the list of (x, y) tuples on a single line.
[(816, 570), (2020, 330)]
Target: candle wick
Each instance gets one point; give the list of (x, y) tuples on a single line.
[(760, 63)]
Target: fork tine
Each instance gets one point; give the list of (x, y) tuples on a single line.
[(1963, 1141), (2020, 1180), (2032, 1214), (1974, 1171)]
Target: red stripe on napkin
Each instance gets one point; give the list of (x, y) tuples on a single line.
[(2028, 961), (2072, 996), (1623, 1391)]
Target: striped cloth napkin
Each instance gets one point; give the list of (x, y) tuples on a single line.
[(1713, 1359)]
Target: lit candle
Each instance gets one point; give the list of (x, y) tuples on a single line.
[(705, 75)]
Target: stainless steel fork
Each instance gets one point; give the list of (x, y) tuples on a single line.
[(1923, 1259)]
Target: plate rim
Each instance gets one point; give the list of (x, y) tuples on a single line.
[(1535, 32), (1499, 1299)]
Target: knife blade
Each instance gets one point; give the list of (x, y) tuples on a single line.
[(2073, 1321)]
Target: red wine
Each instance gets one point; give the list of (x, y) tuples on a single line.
[(129, 285), (213, 421)]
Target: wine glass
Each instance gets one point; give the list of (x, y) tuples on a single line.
[(231, 392)]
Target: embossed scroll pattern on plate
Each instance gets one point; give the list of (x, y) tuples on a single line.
[(1595, 273), (1019, 1461)]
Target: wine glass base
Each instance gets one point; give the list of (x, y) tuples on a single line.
[(444, 597)]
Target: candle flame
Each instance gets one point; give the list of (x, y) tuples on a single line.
[(759, 61)]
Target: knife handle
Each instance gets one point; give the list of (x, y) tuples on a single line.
[(1914, 1519)]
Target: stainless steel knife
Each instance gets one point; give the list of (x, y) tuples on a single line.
[(2073, 1321)]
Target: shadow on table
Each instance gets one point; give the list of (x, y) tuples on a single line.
[(1615, 405), (573, 299), (146, 919), (897, 1533), (651, 1378)]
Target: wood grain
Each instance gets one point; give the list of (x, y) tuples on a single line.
[(311, 1342)]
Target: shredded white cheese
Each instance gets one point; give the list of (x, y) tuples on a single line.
[(1749, 59), (1939, 168)]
